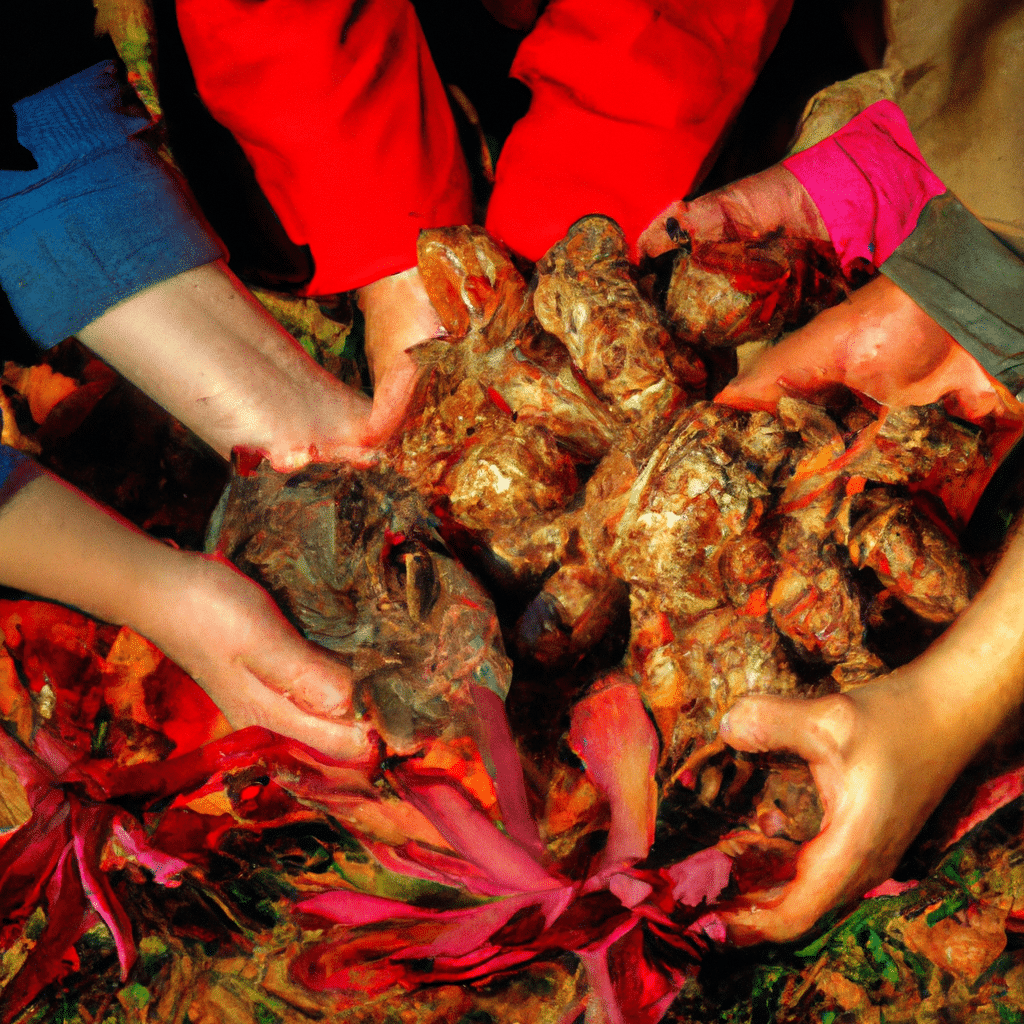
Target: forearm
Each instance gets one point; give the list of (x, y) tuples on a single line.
[(200, 345), (57, 544), (971, 681), (219, 626)]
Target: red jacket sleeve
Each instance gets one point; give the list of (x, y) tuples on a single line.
[(341, 113), (630, 100)]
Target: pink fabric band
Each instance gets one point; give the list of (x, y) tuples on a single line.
[(869, 182)]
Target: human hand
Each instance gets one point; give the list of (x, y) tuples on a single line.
[(881, 766), (861, 188), (219, 626), (230, 637), (399, 316), (883, 755), (750, 208), (882, 345)]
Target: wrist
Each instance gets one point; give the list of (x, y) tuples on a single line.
[(869, 182), (970, 682), (399, 315)]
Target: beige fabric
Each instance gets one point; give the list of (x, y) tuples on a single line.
[(958, 66), (836, 105)]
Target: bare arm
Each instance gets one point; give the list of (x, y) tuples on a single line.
[(202, 346), (216, 624), (884, 755)]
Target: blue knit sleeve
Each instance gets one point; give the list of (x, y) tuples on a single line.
[(99, 219), (16, 470)]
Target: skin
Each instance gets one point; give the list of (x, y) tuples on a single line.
[(204, 348), (399, 316), (203, 614), (878, 342), (881, 344), (749, 208), (882, 755)]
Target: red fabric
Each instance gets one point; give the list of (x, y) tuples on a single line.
[(869, 182), (341, 113), (338, 107), (630, 99)]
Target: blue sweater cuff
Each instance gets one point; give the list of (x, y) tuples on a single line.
[(101, 218), (16, 470)]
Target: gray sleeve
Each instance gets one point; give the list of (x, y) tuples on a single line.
[(969, 282)]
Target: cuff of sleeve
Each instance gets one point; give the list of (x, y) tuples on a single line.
[(971, 284), (869, 182), (101, 217), (16, 470)]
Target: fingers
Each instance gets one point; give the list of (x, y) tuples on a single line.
[(747, 209), (807, 363), (228, 634), (869, 815), (399, 315), (882, 345), (816, 730), (391, 398), (666, 231), (312, 679), (831, 869), (256, 702), (289, 685)]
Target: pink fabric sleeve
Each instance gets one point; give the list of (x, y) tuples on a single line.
[(340, 111), (630, 100), (869, 182)]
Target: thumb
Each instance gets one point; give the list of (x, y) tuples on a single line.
[(808, 363), (763, 723), (392, 396), (311, 678)]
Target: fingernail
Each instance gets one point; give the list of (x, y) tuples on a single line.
[(680, 237)]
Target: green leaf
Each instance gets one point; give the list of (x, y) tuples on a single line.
[(265, 1015), (1009, 1014), (951, 905), (882, 957), (136, 995)]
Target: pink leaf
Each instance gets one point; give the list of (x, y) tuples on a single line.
[(66, 923), (133, 840), (91, 826), (356, 908), (700, 878), (630, 891), (473, 835), (613, 736), (30, 857), (890, 887), (710, 925), (509, 781), (990, 797), (418, 861)]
